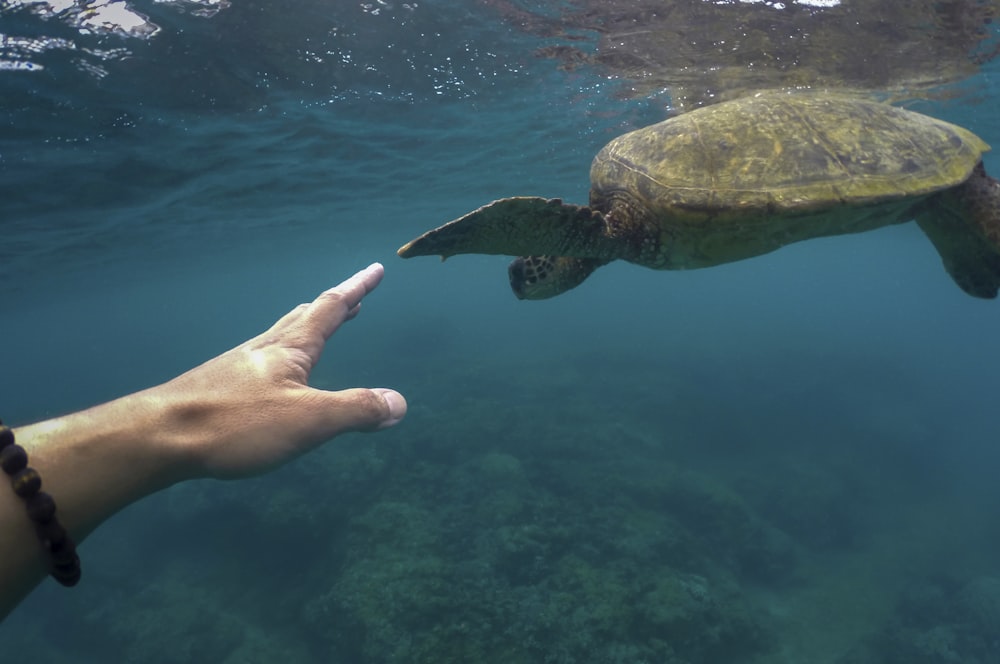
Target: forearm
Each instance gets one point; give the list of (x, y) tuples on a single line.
[(93, 463)]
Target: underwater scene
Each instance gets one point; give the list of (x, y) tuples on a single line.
[(787, 459)]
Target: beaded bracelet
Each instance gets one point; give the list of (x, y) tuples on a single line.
[(64, 563)]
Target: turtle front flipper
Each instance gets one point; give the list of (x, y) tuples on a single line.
[(542, 277), (964, 225), (522, 226)]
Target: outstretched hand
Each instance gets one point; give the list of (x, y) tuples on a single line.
[(251, 408), (241, 413)]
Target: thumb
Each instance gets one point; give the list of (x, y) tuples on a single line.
[(363, 409)]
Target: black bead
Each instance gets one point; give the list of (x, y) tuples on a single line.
[(6, 437), (52, 534), (26, 482), (13, 458), (66, 556), (41, 507), (68, 575)]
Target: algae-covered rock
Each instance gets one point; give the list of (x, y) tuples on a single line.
[(499, 468), (941, 622), (720, 518), (817, 507), (182, 618), (489, 566)]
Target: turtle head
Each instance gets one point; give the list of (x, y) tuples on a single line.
[(542, 277)]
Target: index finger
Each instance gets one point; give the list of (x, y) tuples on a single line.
[(321, 317), (337, 304)]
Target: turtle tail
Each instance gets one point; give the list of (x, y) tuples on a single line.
[(522, 226), (964, 225)]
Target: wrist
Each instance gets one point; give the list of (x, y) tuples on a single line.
[(97, 461)]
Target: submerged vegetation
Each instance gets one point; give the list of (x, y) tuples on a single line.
[(562, 532)]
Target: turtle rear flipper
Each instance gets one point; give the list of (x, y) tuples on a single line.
[(520, 226), (966, 257), (964, 226)]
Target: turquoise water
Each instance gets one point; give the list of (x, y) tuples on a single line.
[(788, 459)]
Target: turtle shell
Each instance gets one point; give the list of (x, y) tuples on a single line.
[(782, 153)]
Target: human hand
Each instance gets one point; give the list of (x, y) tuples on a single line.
[(241, 413), (251, 408)]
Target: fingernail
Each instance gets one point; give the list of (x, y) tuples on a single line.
[(397, 406)]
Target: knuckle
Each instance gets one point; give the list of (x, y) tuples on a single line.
[(372, 404)]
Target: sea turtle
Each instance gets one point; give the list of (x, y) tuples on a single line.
[(743, 178)]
